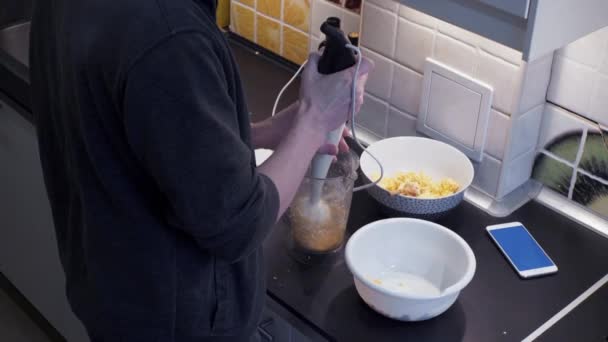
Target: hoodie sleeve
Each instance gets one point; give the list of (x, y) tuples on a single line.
[(182, 124)]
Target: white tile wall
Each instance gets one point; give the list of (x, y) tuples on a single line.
[(535, 84), (314, 43), (414, 44), (516, 173), (378, 29), (390, 5), (498, 126), (373, 115), (503, 77), (351, 22), (400, 124), (604, 67), (406, 90), (399, 39), (455, 54), (571, 85), (321, 9), (587, 50), (506, 53), (418, 17), (380, 80), (487, 175), (524, 132), (458, 33), (579, 77), (599, 100)]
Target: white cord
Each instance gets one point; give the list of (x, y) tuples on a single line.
[(276, 102), (352, 116), (352, 121)]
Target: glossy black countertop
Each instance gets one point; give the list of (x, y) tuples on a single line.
[(496, 306)]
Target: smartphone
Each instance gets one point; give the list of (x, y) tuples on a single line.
[(523, 252)]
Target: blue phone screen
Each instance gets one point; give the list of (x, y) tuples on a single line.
[(521, 248)]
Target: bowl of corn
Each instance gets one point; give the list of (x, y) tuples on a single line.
[(423, 178)]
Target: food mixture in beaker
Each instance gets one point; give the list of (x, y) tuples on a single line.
[(322, 232)]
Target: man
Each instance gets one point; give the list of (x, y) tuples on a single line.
[(148, 160)]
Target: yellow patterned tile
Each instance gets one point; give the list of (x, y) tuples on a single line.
[(295, 45), (223, 13), (296, 13), (269, 34), (271, 8), (250, 3), (243, 21)]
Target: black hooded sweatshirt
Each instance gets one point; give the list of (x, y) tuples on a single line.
[(145, 144)]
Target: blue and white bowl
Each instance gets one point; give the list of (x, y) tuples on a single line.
[(404, 154)]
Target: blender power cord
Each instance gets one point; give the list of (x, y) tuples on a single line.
[(352, 113)]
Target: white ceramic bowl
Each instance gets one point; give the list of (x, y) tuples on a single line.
[(409, 269), (435, 158)]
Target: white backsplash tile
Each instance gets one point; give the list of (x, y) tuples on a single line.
[(604, 66), (535, 84), (508, 54), (380, 80), (379, 29), (599, 100), (585, 50), (524, 132), (400, 124), (373, 115), (391, 5), (351, 21), (487, 175), (455, 54), (458, 33), (498, 127), (314, 43), (571, 85), (406, 90), (321, 9), (417, 17), (503, 77), (414, 44), (516, 173)]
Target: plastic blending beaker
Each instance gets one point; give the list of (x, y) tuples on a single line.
[(318, 232)]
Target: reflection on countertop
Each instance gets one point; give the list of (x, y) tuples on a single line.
[(14, 40)]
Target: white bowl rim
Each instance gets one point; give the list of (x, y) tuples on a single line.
[(463, 187), (457, 287)]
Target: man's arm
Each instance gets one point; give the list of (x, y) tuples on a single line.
[(268, 133), (289, 162)]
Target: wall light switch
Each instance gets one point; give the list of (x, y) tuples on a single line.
[(455, 108)]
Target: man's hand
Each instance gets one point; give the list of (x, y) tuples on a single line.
[(333, 149), (270, 132)]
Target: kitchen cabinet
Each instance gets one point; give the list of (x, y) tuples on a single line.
[(28, 251), (515, 7), (535, 27)]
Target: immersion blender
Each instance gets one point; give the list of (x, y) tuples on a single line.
[(335, 58)]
